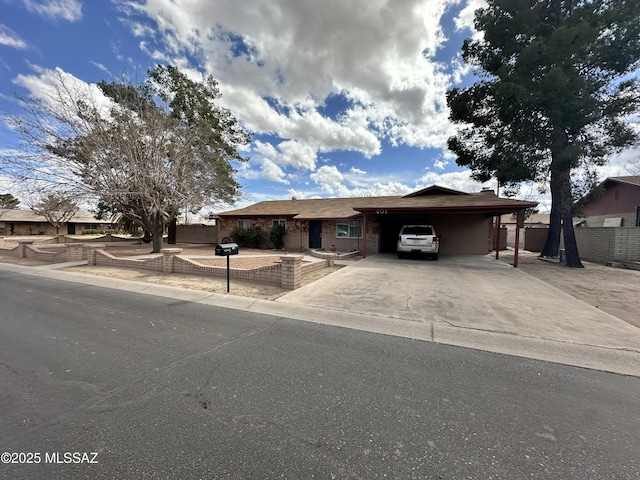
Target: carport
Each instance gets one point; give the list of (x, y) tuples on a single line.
[(463, 219)]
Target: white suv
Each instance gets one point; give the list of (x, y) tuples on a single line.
[(418, 239)]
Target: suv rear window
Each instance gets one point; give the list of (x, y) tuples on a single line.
[(417, 230)]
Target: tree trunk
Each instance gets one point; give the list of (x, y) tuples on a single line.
[(552, 244), (173, 227), (570, 244), (158, 230)]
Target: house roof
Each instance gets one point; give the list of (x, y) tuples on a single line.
[(630, 180), (535, 219), (19, 215), (433, 199), (315, 208)]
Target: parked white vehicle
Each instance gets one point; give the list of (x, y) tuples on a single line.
[(418, 239)]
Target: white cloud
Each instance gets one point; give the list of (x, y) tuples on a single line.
[(460, 180), (300, 53), (273, 172), (296, 154), (465, 18), (329, 179), (44, 82), (10, 38), (69, 10), (440, 164)]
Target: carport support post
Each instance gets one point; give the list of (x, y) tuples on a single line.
[(364, 235), (496, 236), (517, 249)]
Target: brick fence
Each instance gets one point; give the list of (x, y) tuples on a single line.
[(68, 252), (608, 244), (288, 274)]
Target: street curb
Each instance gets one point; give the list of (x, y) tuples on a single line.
[(621, 361)]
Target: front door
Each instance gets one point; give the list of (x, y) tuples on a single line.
[(71, 228), (315, 233)]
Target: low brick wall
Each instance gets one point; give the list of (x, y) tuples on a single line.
[(271, 275), (310, 267), (70, 252), (7, 244), (106, 238), (287, 274), (52, 256), (105, 259)]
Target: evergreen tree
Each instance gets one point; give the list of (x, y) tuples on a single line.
[(8, 201), (558, 82)]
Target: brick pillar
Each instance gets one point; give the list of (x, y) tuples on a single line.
[(168, 254), (91, 251), (291, 271), (22, 247), (74, 252)]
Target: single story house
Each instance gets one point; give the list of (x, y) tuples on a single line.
[(371, 224), (21, 223), (614, 203)]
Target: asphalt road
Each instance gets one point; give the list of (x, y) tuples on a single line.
[(98, 383)]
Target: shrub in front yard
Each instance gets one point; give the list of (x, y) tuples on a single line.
[(277, 236), (249, 238)]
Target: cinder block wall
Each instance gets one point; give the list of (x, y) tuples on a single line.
[(627, 244), (197, 234), (607, 244), (534, 238)]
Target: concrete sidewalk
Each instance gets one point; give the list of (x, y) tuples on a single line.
[(468, 301)]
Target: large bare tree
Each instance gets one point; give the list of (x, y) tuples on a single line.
[(147, 150), (56, 208)]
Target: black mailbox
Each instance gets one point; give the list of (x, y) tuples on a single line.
[(226, 249)]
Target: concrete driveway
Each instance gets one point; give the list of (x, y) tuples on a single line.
[(473, 292)]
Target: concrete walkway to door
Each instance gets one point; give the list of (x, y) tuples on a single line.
[(474, 301)]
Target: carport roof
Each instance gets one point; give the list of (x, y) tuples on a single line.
[(433, 199)]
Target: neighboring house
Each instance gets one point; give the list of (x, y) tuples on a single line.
[(612, 216), (371, 224), (537, 220), (25, 222), (616, 203)]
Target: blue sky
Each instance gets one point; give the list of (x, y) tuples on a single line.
[(345, 98)]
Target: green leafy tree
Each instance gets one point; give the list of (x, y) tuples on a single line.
[(558, 82), (144, 150), (8, 201)]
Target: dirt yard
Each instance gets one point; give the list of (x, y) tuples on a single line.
[(613, 290)]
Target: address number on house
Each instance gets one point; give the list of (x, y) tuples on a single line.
[(381, 212)]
